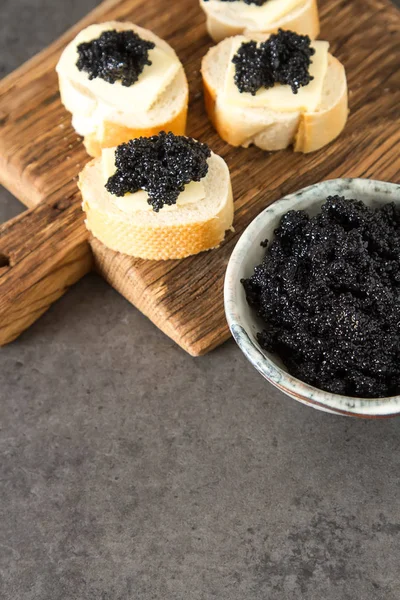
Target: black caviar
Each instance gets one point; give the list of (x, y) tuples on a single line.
[(114, 56), (162, 165), (283, 58), (256, 2), (328, 290)]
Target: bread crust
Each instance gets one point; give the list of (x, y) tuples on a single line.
[(304, 21), (307, 132)]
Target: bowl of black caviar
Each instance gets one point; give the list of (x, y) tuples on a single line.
[(312, 296)]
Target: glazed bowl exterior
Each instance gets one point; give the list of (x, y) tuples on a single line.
[(244, 323)]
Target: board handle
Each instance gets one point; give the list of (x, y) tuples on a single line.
[(43, 252)]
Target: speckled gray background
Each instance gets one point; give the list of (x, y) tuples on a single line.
[(132, 471)]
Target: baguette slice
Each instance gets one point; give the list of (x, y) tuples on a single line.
[(111, 127), (168, 234), (274, 130), (303, 19)]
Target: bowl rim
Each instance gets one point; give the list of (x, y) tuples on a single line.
[(297, 389)]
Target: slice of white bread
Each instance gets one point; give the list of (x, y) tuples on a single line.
[(168, 234), (268, 129), (302, 19), (105, 126)]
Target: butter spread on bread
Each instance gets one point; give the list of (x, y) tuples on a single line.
[(139, 96), (281, 97), (162, 165), (227, 18), (132, 202), (107, 109), (164, 197), (262, 14)]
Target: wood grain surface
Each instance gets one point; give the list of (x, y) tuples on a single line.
[(40, 157), (44, 251)]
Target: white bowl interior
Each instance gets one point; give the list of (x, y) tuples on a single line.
[(248, 253)]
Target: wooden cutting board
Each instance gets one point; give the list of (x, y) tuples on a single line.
[(47, 249)]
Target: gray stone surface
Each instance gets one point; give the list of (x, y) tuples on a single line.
[(132, 471)]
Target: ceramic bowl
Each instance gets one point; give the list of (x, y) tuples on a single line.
[(244, 323)]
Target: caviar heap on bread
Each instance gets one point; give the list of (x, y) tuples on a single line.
[(161, 197), (226, 18), (275, 92), (120, 81)]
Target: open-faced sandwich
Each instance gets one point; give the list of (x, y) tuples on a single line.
[(161, 197), (121, 81), (281, 91), (244, 17)]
